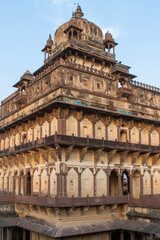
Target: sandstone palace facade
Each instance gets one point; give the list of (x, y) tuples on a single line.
[(80, 145)]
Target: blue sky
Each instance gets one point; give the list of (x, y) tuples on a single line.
[(25, 26)]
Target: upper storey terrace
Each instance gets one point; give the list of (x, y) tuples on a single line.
[(80, 69)]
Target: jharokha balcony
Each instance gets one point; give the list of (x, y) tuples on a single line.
[(66, 141)]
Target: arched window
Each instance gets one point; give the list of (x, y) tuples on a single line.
[(123, 136)]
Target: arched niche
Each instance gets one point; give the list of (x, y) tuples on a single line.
[(45, 129), (86, 128), (7, 143), (124, 133), (30, 135), (44, 182), (53, 183), (72, 183), (136, 180), (146, 183), (113, 183), (154, 138), (54, 126), (100, 130), (36, 182), (134, 135), (87, 183), (112, 132), (101, 183), (12, 141), (17, 139), (36, 132), (71, 126), (144, 137), (156, 183)]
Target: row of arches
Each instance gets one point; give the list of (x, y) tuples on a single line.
[(85, 184), (98, 131)]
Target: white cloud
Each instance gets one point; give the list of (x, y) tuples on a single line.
[(113, 30)]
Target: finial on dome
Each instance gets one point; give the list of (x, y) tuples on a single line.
[(78, 12)]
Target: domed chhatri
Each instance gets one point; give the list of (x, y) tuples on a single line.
[(79, 30)]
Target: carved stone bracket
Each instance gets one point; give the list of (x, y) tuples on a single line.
[(145, 158), (123, 156), (36, 157), (97, 154), (53, 154), (134, 157), (83, 153), (155, 158), (111, 155), (101, 208), (68, 152), (85, 210), (44, 155)]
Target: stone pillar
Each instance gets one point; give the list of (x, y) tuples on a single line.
[(48, 184), (65, 184), (24, 234), (32, 134), (19, 185), (49, 128), (108, 184), (78, 128), (13, 181), (60, 125), (94, 185), (119, 184), (132, 235), (129, 135), (39, 185), (118, 133), (9, 234), (151, 184), (3, 184), (79, 184), (149, 138), (131, 185), (59, 185), (41, 132), (106, 132), (7, 183), (25, 185), (121, 235), (31, 185), (64, 126), (93, 126), (141, 185)]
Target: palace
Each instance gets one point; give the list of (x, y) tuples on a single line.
[(80, 145)]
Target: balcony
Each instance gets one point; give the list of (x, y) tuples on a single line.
[(124, 92), (66, 141), (63, 201), (21, 99)]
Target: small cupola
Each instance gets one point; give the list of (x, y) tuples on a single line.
[(47, 48), (73, 31), (22, 85), (110, 43)]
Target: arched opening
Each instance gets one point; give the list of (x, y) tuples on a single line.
[(28, 185), (113, 183), (125, 183), (24, 139), (69, 36), (136, 185), (75, 35), (127, 235), (123, 136)]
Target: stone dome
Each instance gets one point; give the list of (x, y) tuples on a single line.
[(108, 37), (89, 31)]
